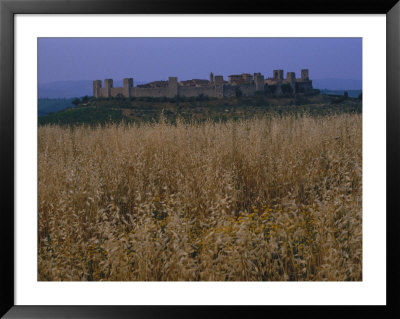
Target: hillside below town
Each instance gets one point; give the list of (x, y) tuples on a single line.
[(90, 110)]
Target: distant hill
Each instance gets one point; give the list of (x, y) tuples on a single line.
[(352, 93), (337, 84), (65, 89), (47, 106)]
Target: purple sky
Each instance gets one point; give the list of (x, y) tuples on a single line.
[(148, 59)]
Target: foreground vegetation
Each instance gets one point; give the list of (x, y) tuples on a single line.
[(270, 198)]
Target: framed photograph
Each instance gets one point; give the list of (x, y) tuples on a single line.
[(169, 159)]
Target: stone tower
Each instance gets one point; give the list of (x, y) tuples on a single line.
[(219, 85), (108, 84), (304, 74), (278, 74), (97, 88), (172, 86), (291, 78), (128, 85), (259, 81), (211, 78)]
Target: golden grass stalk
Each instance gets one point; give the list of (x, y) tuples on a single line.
[(273, 198)]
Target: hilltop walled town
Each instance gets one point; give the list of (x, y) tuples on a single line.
[(244, 84)]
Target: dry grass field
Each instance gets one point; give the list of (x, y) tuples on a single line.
[(271, 198)]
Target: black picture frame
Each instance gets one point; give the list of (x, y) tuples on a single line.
[(8, 8)]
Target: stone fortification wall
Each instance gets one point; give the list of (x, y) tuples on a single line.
[(103, 92), (246, 89), (230, 90), (196, 91), (304, 86), (216, 87), (152, 92), (117, 92)]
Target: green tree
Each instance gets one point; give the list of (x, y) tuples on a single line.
[(76, 101), (85, 99)]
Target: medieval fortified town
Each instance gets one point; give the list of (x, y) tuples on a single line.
[(216, 86)]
